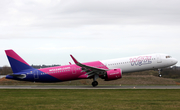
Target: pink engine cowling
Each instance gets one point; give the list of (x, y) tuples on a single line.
[(113, 74)]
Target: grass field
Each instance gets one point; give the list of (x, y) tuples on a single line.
[(128, 99)]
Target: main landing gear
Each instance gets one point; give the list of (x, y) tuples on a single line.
[(159, 72), (95, 83)]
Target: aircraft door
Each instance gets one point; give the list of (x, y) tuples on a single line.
[(36, 74), (159, 60), (73, 69)]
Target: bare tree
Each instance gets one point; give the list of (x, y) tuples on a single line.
[(6, 70)]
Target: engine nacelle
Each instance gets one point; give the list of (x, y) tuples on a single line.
[(113, 74)]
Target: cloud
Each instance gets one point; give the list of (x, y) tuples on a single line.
[(70, 13), (92, 12), (51, 18), (90, 26)]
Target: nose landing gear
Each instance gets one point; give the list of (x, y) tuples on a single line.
[(159, 70)]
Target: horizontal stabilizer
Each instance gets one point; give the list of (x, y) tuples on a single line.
[(9, 76)]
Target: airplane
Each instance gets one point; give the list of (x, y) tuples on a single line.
[(105, 69)]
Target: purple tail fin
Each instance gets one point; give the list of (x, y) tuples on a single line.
[(16, 62)]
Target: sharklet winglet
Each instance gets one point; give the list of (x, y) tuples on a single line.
[(75, 61)]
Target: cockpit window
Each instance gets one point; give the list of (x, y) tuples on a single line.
[(168, 56)]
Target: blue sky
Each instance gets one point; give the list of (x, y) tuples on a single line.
[(48, 31)]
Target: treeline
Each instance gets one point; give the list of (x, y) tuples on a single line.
[(171, 73), (5, 70)]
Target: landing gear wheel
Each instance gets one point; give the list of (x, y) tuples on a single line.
[(94, 83), (159, 72)]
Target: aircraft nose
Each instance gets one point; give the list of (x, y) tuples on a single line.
[(175, 61)]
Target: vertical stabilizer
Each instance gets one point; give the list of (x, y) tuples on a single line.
[(16, 62)]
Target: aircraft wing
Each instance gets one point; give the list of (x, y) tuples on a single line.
[(89, 69)]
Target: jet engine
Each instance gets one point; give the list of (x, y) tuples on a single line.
[(113, 74)]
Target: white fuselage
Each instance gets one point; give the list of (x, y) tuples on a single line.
[(140, 63)]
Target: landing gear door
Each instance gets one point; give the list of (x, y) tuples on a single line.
[(159, 60)]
